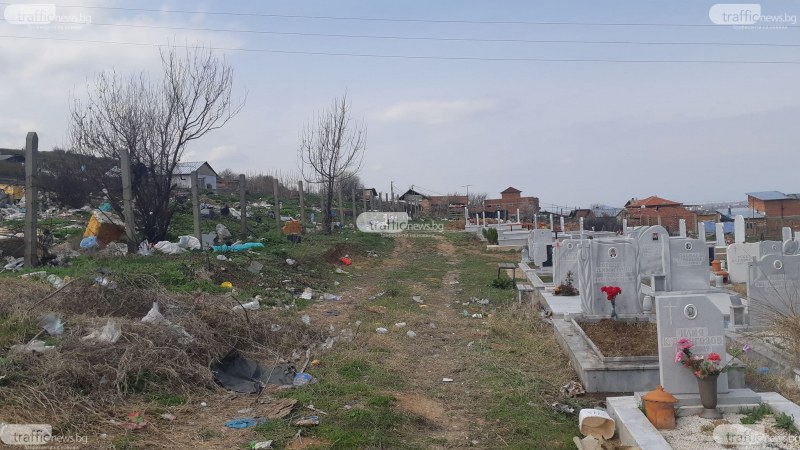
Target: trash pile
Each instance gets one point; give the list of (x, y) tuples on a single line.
[(101, 340)]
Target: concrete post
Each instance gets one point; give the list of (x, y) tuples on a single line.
[(127, 199), (302, 207), (355, 212), (243, 202), (196, 207), (341, 205), (31, 198)]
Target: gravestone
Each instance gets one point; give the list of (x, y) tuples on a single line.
[(694, 317), (720, 233), (688, 265), (610, 262), (772, 287), (561, 223), (786, 234), (738, 230), (653, 245), (739, 258), (565, 260), (701, 231), (682, 228), (538, 240)]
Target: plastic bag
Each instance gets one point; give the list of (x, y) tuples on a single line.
[(144, 249), (111, 332), (189, 242), (169, 248), (89, 242)]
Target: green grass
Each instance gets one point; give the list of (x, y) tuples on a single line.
[(786, 422), (753, 415)]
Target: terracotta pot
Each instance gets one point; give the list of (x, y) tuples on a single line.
[(708, 397)]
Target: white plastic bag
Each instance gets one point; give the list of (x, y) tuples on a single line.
[(168, 248)]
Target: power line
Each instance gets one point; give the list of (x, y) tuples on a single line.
[(421, 57), (401, 20), (444, 39)]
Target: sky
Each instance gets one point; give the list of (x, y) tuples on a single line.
[(645, 98)]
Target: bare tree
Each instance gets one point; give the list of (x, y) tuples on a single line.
[(477, 198), (153, 122), (331, 147)]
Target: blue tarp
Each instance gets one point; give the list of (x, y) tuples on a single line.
[(711, 227), (237, 247)]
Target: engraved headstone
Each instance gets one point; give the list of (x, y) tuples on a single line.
[(773, 288), (610, 262), (720, 232), (738, 230), (693, 317), (688, 265), (565, 260), (653, 245)]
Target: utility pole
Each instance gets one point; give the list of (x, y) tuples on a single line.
[(467, 186)]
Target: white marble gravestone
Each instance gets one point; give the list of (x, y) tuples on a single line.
[(682, 228), (738, 230), (611, 262), (653, 245), (561, 222), (739, 258), (786, 234), (688, 265), (565, 260), (720, 229), (773, 287), (538, 240), (691, 316)]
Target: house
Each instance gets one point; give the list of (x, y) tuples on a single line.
[(206, 176), (509, 202), (779, 210), (655, 210), (369, 193), (450, 206)]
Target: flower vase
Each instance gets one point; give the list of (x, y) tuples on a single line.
[(708, 397), (613, 311)]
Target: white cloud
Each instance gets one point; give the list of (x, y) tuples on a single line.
[(435, 112)]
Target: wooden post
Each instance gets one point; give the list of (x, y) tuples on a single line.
[(127, 199), (277, 208), (302, 207), (196, 207), (341, 205), (31, 198), (355, 212), (243, 202)]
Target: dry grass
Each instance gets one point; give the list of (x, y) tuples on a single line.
[(83, 383)]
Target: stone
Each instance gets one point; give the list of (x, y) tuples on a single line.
[(682, 228), (739, 257), (538, 240), (786, 234), (608, 263), (720, 233), (691, 316), (772, 287), (688, 265), (653, 246), (738, 230), (701, 231), (561, 222), (565, 260)]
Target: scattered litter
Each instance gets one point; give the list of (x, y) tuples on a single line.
[(136, 421), (432, 325), (88, 242), (312, 408), (245, 423), (168, 248), (144, 249), (32, 346), (306, 319), (411, 334), (246, 376), (237, 247), (252, 305), (105, 282), (155, 317), (307, 294), (290, 261), (417, 298), (347, 407), (110, 333), (226, 284), (336, 283), (315, 363), (572, 389), (262, 444), (332, 297), (244, 411), (222, 258), (302, 379), (372, 254), (400, 324), (423, 306), (278, 408), (338, 270), (14, 264), (345, 260), (307, 421), (328, 344), (168, 416), (377, 295), (255, 267), (560, 407), (477, 316), (447, 380), (52, 324), (222, 231), (482, 301), (39, 274), (203, 404), (189, 242), (56, 281), (452, 283), (470, 344), (381, 330)]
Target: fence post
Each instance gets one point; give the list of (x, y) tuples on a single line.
[(196, 207), (31, 198), (302, 208), (341, 205), (243, 202), (277, 204)]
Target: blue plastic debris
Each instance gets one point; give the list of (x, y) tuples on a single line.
[(245, 423)]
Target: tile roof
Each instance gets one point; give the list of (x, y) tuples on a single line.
[(652, 201), (511, 190)]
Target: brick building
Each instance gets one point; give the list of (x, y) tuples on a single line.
[(510, 200), (779, 210), (655, 210)]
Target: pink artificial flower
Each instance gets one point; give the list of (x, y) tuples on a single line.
[(714, 357), (697, 374), (746, 348), (679, 356), (684, 343)]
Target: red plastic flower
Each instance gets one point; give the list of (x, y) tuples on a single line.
[(611, 292), (714, 357)]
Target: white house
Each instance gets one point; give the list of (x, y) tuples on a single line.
[(206, 176)]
